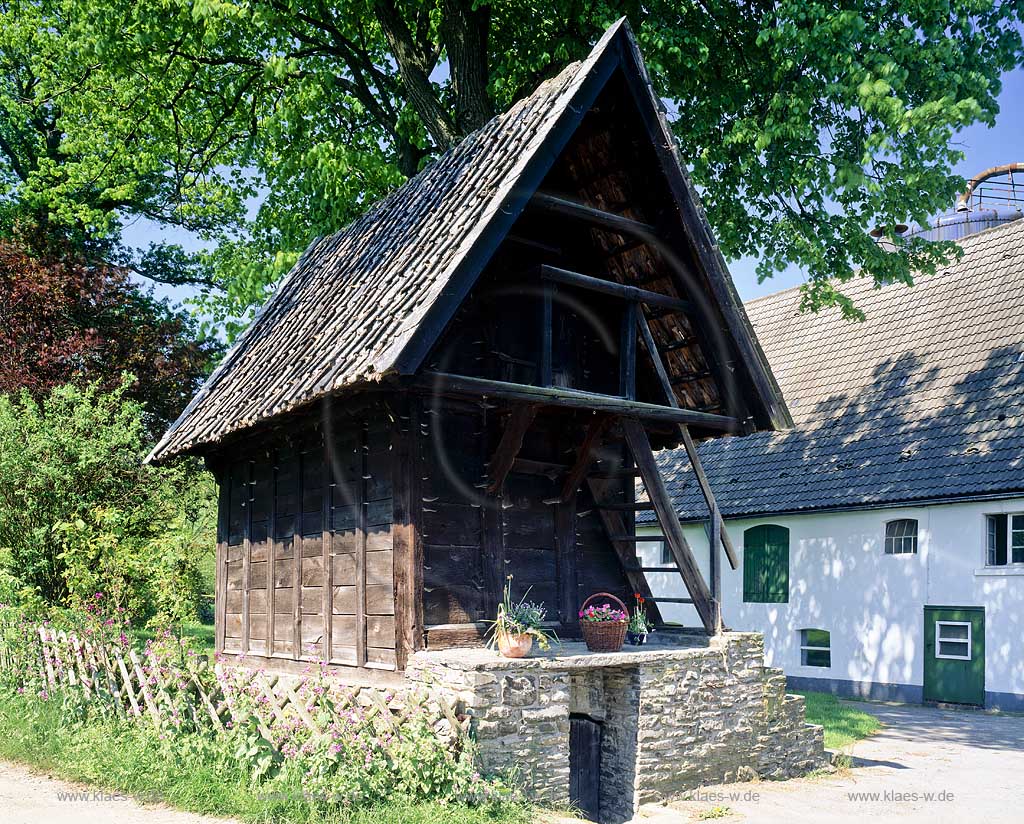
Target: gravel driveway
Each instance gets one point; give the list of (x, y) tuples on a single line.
[(925, 765), (29, 798)]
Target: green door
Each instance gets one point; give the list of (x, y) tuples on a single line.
[(954, 655)]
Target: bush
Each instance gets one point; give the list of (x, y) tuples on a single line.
[(81, 514)]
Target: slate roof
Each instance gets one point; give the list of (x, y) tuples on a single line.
[(923, 401), (355, 308)]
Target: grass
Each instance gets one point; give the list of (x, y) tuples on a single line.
[(128, 758), (844, 724), (203, 633)]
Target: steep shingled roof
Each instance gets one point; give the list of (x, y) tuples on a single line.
[(923, 401), (361, 305)]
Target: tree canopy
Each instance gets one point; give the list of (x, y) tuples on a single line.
[(63, 320), (260, 124)]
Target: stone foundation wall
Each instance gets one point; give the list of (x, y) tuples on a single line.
[(673, 719)]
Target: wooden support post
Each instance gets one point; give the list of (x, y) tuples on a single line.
[(691, 448), (547, 332), (511, 442), (361, 550), (407, 551), (627, 353), (715, 567), (585, 457), (640, 446), (246, 556), (568, 586)]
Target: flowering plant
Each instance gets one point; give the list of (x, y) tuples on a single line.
[(520, 617), (639, 623), (603, 613)]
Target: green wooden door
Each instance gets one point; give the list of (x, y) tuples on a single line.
[(954, 655)]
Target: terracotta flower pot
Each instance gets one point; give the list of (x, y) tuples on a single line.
[(515, 646)]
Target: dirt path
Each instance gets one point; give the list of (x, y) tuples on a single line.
[(925, 766), (31, 798)]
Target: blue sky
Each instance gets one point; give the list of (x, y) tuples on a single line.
[(982, 146)]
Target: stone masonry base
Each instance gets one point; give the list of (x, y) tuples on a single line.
[(672, 718)]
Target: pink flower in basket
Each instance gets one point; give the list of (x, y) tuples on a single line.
[(604, 612)]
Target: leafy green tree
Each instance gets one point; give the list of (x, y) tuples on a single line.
[(805, 122), (81, 514)]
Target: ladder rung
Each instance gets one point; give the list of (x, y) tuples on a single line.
[(638, 539), (633, 568), (682, 343), (639, 506)]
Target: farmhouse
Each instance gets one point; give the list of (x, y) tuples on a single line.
[(883, 537), (464, 385)]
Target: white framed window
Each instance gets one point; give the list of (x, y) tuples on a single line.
[(901, 537), (1004, 539), (815, 648), (953, 640)]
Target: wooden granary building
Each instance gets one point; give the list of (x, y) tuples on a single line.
[(468, 382)]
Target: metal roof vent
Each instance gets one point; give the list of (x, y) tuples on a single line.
[(991, 199)]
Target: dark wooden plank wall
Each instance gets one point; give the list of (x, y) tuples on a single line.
[(306, 547), (557, 550)]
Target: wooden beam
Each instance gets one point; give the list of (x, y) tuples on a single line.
[(598, 218), (511, 443), (624, 291), (640, 446), (461, 386), (627, 352), (407, 549), (585, 456), (691, 448)]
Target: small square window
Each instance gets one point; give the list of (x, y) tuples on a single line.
[(953, 640), (901, 537), (815, 648)]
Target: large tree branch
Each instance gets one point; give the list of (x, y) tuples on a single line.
[(415, 66)]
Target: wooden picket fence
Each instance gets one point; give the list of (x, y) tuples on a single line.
[(128, 683)]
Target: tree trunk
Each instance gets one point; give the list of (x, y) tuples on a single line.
[(464, 33)]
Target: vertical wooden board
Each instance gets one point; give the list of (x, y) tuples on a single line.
[(257, 627), (237, 495), (344, 601), (380, 631), (344, 569), (258, 602), (312, 601), (380, 599), (284, 601), (380, 568), (257, 575)]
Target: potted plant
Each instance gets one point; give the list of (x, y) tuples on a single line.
[(518, 625), (603, 625), (639, 623)]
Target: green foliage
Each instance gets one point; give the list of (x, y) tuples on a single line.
[(804, 123), (193, 772), (844, 724), (353, 760), (80, 513)]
